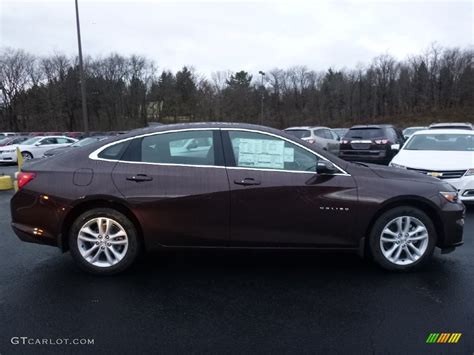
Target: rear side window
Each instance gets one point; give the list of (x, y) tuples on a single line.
[(365, 133), (113, 152), (186, 147)]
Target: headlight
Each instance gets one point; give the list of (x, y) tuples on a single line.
[(451, 196), (469, 172), (398, 166)]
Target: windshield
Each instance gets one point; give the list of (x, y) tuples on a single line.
[(31, 141), (442, 142), (365, 133), (298, 133)]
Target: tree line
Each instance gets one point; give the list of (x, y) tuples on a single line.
[(124, 92)]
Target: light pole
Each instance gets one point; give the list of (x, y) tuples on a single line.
[(81, 74), (263, 93)]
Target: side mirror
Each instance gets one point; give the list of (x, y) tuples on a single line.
[(326, 167), (37, 144)]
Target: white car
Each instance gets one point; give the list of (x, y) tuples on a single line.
[(447, 154), (34, 147)]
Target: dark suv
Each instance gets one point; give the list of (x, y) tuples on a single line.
[(371, 143)]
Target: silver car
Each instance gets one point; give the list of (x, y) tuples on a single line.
[(323, 137)]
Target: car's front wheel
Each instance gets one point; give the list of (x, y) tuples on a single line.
[(27, 155), (103, 241), (402, 238)]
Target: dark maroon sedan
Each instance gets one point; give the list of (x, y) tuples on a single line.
[(230, 186)]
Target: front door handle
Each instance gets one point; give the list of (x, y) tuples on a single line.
[(139, 178), (247, 182)]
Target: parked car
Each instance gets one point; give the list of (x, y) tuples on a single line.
[(371, 143), (80, 143), (7, 134), (341, 132), (451, 125), (447, 154), (323, 137), (34, 147), (407, 132), (13, 140), (252, 187), (76, 135)]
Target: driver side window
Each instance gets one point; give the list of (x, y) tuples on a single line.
[(261, 151)]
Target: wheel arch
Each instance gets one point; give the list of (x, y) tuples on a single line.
[(96, 202), (412, 201)]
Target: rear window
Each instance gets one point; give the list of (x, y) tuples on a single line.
[(365, 133), (299, 133)]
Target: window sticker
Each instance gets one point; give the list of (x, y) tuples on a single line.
[(289, 155), (261, 153)]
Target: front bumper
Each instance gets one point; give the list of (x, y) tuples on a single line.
[(9, 157), (451, 223), (465, 187)]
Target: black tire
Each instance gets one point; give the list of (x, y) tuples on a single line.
[(383, 220), (27, 155), (133, 248)]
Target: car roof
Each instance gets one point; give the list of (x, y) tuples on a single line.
[(373, 126), (415, 127), (460, 125), (306, 127), (444, 131)]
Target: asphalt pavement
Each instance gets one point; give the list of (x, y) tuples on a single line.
[(232, 302)]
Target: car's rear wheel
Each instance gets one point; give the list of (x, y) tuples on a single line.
[(402, 239), (103, 241)]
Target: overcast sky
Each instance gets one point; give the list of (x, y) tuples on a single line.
[(256, 35)]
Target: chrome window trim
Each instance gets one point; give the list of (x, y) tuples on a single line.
[(343, 172), (95, 153)]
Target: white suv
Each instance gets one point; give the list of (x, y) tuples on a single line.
[(323, 137)]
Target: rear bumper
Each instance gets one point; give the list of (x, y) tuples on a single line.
[(33, 235), (369, 156), (36, 219)]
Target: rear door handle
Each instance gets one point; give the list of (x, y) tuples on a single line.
[(139, 178), (247, 182)]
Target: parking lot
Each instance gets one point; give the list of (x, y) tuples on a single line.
[(233, 302)]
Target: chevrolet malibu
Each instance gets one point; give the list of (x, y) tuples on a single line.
[(228, 186)]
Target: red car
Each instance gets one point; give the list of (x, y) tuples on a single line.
[(222, 185)]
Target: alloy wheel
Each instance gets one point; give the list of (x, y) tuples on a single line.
[(102, 242), (404, 240)]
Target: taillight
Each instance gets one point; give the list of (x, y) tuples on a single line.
[(24, 178), (345, 141), (381, 141)]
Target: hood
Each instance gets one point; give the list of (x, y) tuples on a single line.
[(387, 172), (9, 147), (435, 160)]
